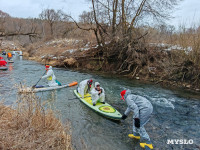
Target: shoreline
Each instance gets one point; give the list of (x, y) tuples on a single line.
[(150, 64), (153, 81)]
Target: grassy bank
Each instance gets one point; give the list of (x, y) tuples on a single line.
[(31, 126)]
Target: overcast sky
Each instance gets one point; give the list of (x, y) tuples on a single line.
[(188, 11)]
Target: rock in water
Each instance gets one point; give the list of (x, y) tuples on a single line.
[(138, 78)]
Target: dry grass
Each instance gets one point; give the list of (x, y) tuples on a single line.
[(23, 89), (31, 126), (70, 61), (191, 38)]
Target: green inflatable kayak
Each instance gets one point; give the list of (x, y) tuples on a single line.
[(105, 110)]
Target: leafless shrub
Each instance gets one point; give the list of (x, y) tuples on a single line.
[(31, 126)]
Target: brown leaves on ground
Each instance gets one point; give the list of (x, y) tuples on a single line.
[(31, 126), (70, 61)]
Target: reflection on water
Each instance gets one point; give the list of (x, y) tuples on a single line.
[(175, 116), (10, 67)]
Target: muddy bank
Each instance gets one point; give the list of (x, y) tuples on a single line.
[(132, 60)]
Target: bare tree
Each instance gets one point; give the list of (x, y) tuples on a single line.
[(19, 28), (3, 17), (127, 14), (51, 16), (114, 20), (86, 18)]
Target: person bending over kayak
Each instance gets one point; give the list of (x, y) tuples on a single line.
[(51, 77), (2, 62), (142, 110), (98, 93), (85, 87)]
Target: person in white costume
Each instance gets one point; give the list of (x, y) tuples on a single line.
[(98, 93), (85, 87), (50, 76)]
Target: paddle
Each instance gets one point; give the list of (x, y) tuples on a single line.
[(38, 81), (73, 83)]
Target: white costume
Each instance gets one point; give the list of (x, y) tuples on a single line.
[(83, 87), (96, 96), (50, 77)]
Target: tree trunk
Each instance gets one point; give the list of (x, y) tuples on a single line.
[(123, 19), (115, 4), (51, 28), (97, 37), (98, 27)]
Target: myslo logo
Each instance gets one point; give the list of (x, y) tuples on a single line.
[(179, 141)]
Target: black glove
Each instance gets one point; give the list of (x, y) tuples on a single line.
[(137, 122), (124, 116), (100, 92)]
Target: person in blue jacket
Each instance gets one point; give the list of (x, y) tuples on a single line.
[(142, 110)]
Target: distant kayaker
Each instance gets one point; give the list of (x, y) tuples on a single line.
[(85, 87), (2, 62), (98, 93), (50, 76), (3, 53), (142, 110), (9, 56)]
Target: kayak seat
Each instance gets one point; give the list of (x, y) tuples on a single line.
[(39, 86)]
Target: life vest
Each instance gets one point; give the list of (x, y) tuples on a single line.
[(9, 55), (49, 78)]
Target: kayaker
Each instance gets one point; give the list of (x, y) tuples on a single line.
[(98, 93), (50, 76), (9, 56), (142, 110), (2, 62), (3, 53), (85, 87)]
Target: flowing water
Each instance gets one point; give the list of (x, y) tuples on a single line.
[(175, 116)]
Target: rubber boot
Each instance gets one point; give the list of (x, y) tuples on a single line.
[(146, 145), (134, 136)]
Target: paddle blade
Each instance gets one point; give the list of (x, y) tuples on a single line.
[(73, 84)]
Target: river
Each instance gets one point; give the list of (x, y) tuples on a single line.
[(175, 116)]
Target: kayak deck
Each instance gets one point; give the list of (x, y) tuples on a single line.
[(49, 88), (105, 110), (55, 87)]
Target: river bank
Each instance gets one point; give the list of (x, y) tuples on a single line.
[(151, 64), (29, 125)]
